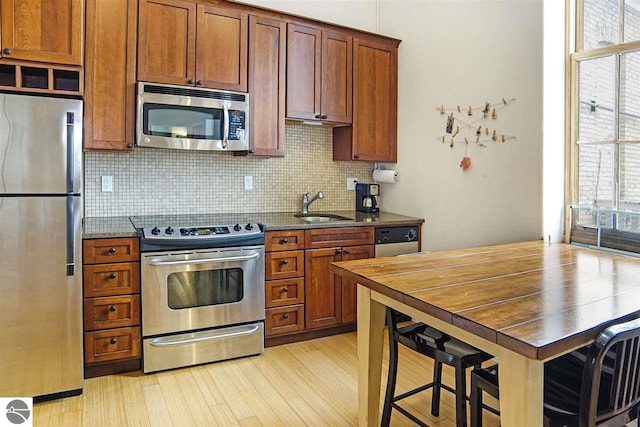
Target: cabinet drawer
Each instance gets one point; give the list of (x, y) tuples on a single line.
[(111, 250), (111, 279), (112, 312), (284, 292), (283, 240), (284, 320), (112, 344), (284, 265), (331, 237)]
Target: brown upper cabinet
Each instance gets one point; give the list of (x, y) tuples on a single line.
[(267, 39), (319, 74), (184, 43), (42, 30), (373, 136), (110, 74)]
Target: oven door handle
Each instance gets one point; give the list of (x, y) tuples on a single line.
[(158, 262), (168, 341)]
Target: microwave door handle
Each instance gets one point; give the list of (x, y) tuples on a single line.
[(225, 138), (158, 262)]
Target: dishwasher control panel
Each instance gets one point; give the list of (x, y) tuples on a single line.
[(386, 235)]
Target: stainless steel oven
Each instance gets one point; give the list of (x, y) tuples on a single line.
[(203, 304)]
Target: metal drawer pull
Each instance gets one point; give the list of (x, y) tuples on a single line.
[(285, 262), (113, 341), (112, 308), (285, 289), (284, 241), (112, 276), (204, 261), (167, 341), (112, 251), (285, 315)]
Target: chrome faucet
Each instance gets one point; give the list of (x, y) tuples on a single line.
[(306, 201)]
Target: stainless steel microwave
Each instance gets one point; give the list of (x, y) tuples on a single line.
[(192, 118)]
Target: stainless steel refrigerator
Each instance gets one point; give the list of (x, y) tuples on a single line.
[(40, 247)]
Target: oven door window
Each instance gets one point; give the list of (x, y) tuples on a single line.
[(188, 289), (178, 121)]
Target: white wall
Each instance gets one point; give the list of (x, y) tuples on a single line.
[(459, 52)]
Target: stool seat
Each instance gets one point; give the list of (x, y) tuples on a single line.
[(443, 349)]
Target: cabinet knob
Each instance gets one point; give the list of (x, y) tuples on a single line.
[(346, 251), (113, 340), (191, 81), (112, 251), (284, 241), (324, 117), (285, 262), (112, 276), (129, 145), (356, 156), (199, 82), (112, 308), (318, 116), (285, 315), (6, 51), (285, 289), (339, 250)]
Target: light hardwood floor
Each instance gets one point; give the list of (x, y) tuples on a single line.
[(310, 383)]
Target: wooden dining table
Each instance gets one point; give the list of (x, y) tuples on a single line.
[(525, 303)]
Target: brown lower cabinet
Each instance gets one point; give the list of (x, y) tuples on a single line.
[(305, 299), (111, 283)]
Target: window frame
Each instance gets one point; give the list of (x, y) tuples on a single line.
[(575, 54)]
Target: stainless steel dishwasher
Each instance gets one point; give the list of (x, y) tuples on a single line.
[(392, 241)]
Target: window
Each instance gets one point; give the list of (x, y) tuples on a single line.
[(605, 136)]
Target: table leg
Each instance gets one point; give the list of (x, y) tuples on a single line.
[(371, 316), (521, 390)]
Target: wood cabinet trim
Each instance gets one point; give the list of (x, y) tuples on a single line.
[(328, 85), (280, 293), (275, 325), (294, 85), (95, 276), (284, 265)]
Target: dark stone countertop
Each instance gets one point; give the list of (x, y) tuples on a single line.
[(105, 227)]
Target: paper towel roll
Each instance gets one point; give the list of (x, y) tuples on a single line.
[(387, 176)]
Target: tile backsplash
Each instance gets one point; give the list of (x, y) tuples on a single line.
[(157, 181)]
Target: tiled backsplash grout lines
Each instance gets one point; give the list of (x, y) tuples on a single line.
[(157, 181)]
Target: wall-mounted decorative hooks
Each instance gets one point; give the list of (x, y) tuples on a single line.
[(464, 129)]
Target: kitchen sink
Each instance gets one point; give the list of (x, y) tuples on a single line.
[(318, 217)]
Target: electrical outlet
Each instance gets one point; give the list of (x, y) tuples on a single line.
[(107, 184), (248, 182), (351, 183)]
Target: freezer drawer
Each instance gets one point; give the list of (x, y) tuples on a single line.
[(174, 351)]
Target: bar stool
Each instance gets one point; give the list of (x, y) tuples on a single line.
[(483, 379), (442, 348)]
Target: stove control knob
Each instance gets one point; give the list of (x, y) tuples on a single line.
[(155, 231), (169, 230), (237, 227), (248, 227)]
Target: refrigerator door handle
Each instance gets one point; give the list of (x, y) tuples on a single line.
[(70, 152), (71, 238)]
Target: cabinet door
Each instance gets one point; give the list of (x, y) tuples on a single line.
[(303, 72), (322, 289), (267, 85), (167, 41), (110, 74), (350, 288), (337, 88), (221, 48), (373, 136), (42, 30)]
